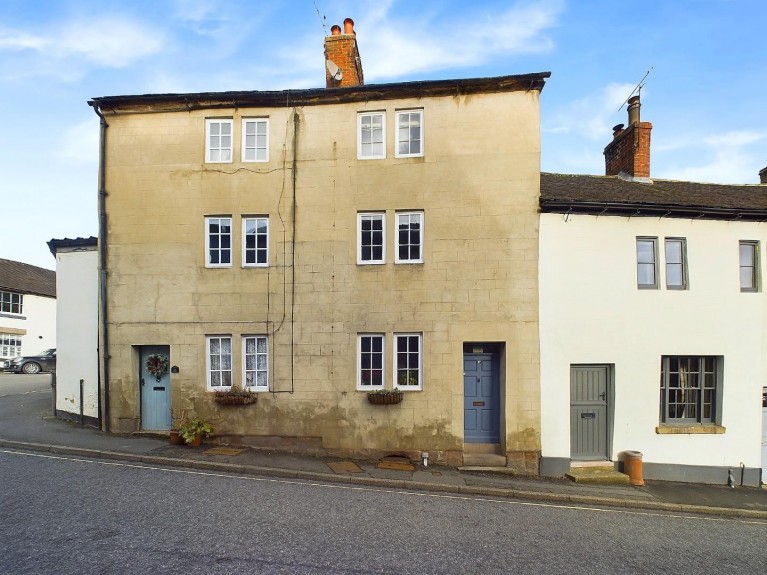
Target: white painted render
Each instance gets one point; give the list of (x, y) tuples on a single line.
[(77, 331), (591, 311), (38, 321)]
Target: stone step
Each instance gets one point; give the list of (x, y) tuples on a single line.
[(484, 460), (494, 448), (600, 475)]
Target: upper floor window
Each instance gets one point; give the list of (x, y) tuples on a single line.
[(407, 361), (218, 242), (676, 263), (11, 302), (409, 134), (370, 361), (255, 241), (219, 364), (255, 140), (372, 238), (690, 389), (647, 263), (371, 135), (255, 353), (749, 266), (409, 237), (218, 140)]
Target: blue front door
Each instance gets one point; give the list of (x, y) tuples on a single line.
[(155, 392), (481, 398)]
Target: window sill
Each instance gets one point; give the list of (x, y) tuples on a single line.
[(690, 429)]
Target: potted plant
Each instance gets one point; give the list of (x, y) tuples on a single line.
[(385, 396), (194, 430), (235, 395), (174, 434)]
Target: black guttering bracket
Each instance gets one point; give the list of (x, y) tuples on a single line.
[(320, 96), (651, 210)]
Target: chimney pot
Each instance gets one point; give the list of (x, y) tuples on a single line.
[(617, 129), (633, 109), (763, 176), (341, 49), (348, 26), (335, 30)]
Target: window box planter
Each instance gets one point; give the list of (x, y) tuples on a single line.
[(235, 397), (385, 397)]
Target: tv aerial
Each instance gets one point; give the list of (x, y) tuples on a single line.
[(637, 89)]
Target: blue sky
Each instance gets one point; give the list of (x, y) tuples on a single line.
[(704, 96)]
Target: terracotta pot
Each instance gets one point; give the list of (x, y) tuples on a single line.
[(175, 437), (196, 442)]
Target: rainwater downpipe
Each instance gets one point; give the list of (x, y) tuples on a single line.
[(104, 415)]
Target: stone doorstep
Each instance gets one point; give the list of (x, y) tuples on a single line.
[(597, 475), (483, 460)]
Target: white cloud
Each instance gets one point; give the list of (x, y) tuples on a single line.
[(15, 40), (592, 116), (79, 144)]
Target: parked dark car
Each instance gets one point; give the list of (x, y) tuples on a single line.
[(45, 361)]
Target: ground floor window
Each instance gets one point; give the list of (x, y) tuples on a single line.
[(407, 360), (690, 389), (370, 361), (10, 345), (219, 353), (255, 353)]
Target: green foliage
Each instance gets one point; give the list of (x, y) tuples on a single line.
[(193, 427)]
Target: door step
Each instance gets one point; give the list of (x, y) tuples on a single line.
[(597, 474), (484, 460)]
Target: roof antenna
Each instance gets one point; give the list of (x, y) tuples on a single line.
[(637, 89), (323, 19)]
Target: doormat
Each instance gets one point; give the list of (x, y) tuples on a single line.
[(223, 451), (396, 462), (344, 467)]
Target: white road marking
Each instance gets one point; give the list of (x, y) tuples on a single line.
[(393, 491)]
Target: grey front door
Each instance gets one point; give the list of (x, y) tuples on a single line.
[(481, 398), (155, 393), (588, 412)]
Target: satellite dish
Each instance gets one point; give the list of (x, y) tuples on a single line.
[(335, 71)]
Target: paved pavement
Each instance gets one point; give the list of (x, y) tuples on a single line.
[(26, 423)]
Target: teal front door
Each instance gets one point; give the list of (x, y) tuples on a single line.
[(481, 398), (155, 391)]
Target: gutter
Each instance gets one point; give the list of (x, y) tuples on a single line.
[(104, 422), (651, 210)]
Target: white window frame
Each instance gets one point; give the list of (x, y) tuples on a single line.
[(753, 266), (10, 300), (682, 264), (399, 114), (256, 148), (256, 370), (369, 387), (209, 364), (246, 250), (10, 345), (655, 262), (208, 263), (209, 122), (409, 214), (395, 352), (371, 156), (363, 216)]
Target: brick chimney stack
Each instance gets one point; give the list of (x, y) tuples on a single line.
[(629, 152), (343, 66), (763, 176)]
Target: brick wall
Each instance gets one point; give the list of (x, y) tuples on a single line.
[(629, 152), (343, 51)]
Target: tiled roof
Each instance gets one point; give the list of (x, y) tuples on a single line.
[(27, 279), (72, 243), (613, 194)]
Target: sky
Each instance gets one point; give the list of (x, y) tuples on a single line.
[(705, 94)]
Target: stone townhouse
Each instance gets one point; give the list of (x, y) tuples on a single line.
[(315, 245), (652, 319)]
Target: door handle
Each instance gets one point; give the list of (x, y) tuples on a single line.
[(142, 381)]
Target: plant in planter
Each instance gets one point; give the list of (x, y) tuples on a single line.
[(385, 396), (194, 430), (235, 395), (174, 434)]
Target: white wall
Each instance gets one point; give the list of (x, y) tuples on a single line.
[(592, 312), (77, 331), (39, 321)]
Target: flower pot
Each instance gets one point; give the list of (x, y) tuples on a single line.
[(229, 398), (385, 398), (175, 437), (196, 442)]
